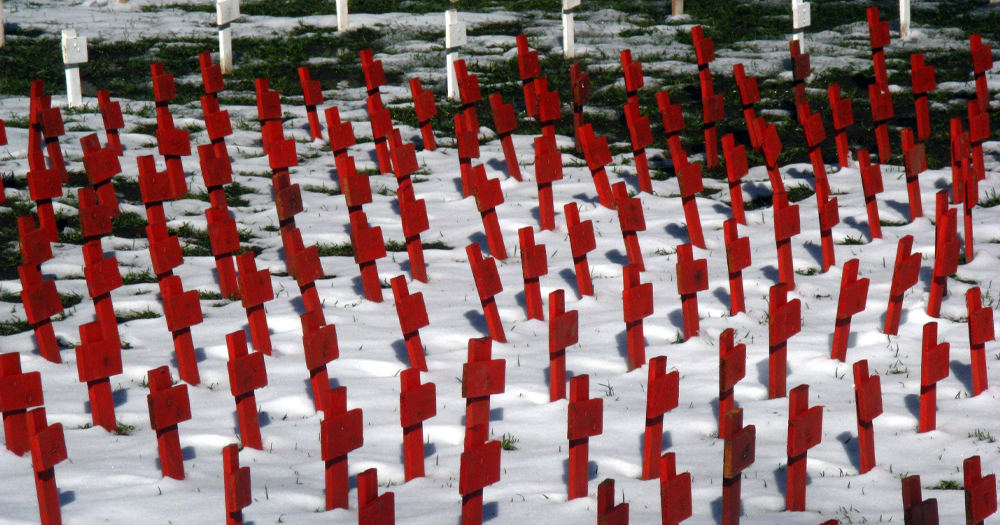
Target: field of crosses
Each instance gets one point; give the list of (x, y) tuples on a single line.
[(432, 263)]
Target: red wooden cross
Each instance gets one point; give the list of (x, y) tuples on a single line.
[(690, 182), (675, 491), (784, 321), (737, 259), (217, 122), (355, 186), (812, 126), (770, 146), (786, 226), (168, 406), (482, 376), (979, 131), (800, 71), (882, 111), (341, 133), (945, 261), (692, 277), (312, 95), (581, 242), (33, 242), (529, 68), (749, 95), (369, 247), (236, 480), (843, 116), (915, 161), (738, 455), (916, 510), (41, 302), (468, 92), (111, 115), (413, 214), (632, 220), (534, 264), (44, 185), (320, 345), (381, 122), (18, 392), (598, 155), (549, 107), (933, 368), (488, 284), (489, 195), (216, 170), (50, 123), (980, 332), (805, 431), (673, 124), (373, 70), (586, 419), (924, 82), (607, 512), (868, 405), (268, 106), (982, 61), (871, 183), (247, 373), (255, 290), (712, 103), (632, 71), (102, 274), (342, 431), (426, 108), (372, 508), (224, 240), (641, 136), (580, 83), (211, 74), (412, 315), (97, 359), (661, 397), (548, 169), (564, 331), (417, 403), (48, 448), (736, 169), (980, 492), (732, 368), (853, 300), (404, 164), (505, 121), (467, 141), (638, 304), (182, 311), (305, 266), (878, 37), (164, 250), (101, 164), (905, 274), (157, 187)]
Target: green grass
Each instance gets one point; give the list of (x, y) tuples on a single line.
[(13, 326), (124, 316), (945, 484), (851, 241), (139, 277), (234, 194)]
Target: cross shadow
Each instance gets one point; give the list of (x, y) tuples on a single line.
[(852, 340), (298, 305), (478, 322), (429, 450), (622, 340), (186, 454), (677, 319), (199, 356), (358, 285), (678, 231), (851, 448), (723, 296), (480, 239), (902, 207), (569, 276), (589, 199), (496, 414), (665, 442), (963, 373), (457, 181), (591, 470), (617, 257), (863, 229), (912, 402), (498, 165), (399, 347), (333, 383), (815, 251), (522, 300), (66, 497), (263, 418), (771, 273)]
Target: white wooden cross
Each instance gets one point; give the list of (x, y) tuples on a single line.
[(801, 19), (677, 7), (3, 34), (569, 40), (904, 18), (454, 38), (227, 11), (342, 23), (74, 52)]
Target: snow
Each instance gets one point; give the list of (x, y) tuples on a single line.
[(116, 479)]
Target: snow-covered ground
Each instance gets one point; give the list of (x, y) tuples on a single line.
[(116, 479)]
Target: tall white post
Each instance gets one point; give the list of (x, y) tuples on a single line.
[(3, 34), (801, 19), (904, 18), (454, 38), (342, 23), (227, 11), (74, 51), (569, 36), (677, 7)]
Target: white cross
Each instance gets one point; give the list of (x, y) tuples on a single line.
[(342, 23), (454, 38), (569, 37), (227, 11), (801, 19), (74, 52), (904, 17), (677, 7), (3, 34)]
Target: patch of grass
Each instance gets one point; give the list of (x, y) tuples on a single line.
[(234, 194), (807, 272), (206, 295), (850, 241), (799, 193), (990, 199), (945, 484), (123, 429), (143, 277), (322, 189), (343, 249), (14, 326), (124, 316), (982, 435), (508, 442), (893, 223), (129, 225)]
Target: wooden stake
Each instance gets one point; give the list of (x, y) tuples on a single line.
[(226, 12), (74, 51)]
